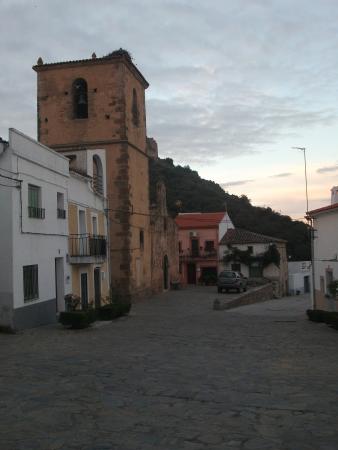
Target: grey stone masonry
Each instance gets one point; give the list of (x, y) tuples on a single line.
[(254, 295)]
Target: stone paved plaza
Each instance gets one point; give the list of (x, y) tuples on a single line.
[(174, 375)]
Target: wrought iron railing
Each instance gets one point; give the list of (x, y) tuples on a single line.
[(186, 254), (61, 213), (36, 213), (87, 245)]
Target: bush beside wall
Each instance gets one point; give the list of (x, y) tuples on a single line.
[(77, 319), (113, 310), (321, 316)]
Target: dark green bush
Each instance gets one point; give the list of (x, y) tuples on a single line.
[(328, 317), (316, 315), (331, 318), (77, 319), (108, 312), (113, 310)]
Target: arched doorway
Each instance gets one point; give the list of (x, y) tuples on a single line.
[(165, 272)]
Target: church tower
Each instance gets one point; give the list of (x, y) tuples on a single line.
[(95, 104)]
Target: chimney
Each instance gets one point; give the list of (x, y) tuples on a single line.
[(334, 195)]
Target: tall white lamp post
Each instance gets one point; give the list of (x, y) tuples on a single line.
[(313, 295)]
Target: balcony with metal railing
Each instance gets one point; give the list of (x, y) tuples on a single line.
[(61, 213), (193, 254), (87, 248), (36, 213)]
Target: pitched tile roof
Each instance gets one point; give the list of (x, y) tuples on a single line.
[(199, 220), (314, 212), (240, 236)]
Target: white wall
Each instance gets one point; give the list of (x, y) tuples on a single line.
[(81, 193), (224, 226), (84, 162), (271, 271), (326, 240), (6, 235), (326, 244), (38, 241)]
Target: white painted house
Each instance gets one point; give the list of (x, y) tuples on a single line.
[(244, 252), (299, 277), (34, 276), (325, 224)]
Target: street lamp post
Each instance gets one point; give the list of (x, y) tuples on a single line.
[(303, 149), (313, 295)]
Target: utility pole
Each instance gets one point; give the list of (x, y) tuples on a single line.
[(312, 236)]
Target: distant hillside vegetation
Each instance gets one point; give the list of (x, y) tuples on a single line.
[(198, 195)]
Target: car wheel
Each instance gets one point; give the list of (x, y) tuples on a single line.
[(240, 290), (219, 290)]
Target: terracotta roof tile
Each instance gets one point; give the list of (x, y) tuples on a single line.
[(199, 220), (240, 236), (323, 209)]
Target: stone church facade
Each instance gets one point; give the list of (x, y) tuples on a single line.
[(99, 104)]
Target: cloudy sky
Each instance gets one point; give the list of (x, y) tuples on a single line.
[(234, 84)]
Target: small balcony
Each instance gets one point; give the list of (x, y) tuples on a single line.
[(198, 254), (36, 213), (61, 213), (87, 248)]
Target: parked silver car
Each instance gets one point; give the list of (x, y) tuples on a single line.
[(229, 279)]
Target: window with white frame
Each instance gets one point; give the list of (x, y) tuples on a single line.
[(61, 212), (34, 202)]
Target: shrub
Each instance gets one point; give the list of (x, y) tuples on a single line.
[(108, 312), (72, 301), (328, 317), (114, 310), (77, 319), (316, 315), (331, 318)]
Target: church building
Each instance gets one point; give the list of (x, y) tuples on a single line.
[(99, 104)]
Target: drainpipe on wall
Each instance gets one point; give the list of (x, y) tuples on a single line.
[(106, 213), (312, 237)]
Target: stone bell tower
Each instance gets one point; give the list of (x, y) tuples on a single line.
[(99, 103)]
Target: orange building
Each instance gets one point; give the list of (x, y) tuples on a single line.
[(99, 104), (199, 235)]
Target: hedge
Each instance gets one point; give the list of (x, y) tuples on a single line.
[(113, 310), (328, 317), (77, 319)]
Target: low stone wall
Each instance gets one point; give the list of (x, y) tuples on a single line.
[(255, 295)]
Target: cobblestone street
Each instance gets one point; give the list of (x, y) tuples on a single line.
[(174, 375)]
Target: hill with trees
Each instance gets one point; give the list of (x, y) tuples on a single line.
[(188, 192)]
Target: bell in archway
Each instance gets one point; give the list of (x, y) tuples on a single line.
[(82, 99)]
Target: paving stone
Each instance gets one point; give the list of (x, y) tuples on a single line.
[(175, 375)]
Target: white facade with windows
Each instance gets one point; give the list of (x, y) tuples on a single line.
[(34, 275), (299, 277), (325, 224)]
